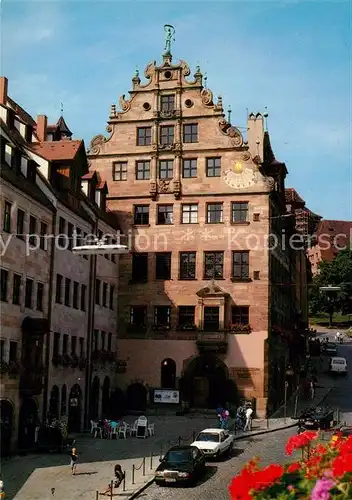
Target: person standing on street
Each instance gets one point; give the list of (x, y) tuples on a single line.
[(249, 412), (74, 461)]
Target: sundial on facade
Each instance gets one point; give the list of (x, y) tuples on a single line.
[(241, 176)]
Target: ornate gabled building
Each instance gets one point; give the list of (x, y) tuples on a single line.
[(202, 304), (58, 308)]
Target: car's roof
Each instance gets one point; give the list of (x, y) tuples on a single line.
[(212, 430), (339, 358), (181, 448)]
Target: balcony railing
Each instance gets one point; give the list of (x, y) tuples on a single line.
[(188, 331)]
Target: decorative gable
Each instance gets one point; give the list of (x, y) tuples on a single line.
[(212, 290)]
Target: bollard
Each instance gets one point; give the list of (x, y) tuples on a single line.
[(97, 495), (124, 481), (143, 470), (133, 474), (267, 423), (111, 489), (151, 461)]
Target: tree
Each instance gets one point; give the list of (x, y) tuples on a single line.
[(338, 272)]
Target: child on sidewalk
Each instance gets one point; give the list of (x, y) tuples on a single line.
[(74, 461)]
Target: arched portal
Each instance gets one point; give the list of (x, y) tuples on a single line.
[(63, 400), (95, 399), (118, 404), (54, 403), (6, 426), (74, 409), (136, 397), (105, 403), (28, 420), (168, 374), (205, 382)]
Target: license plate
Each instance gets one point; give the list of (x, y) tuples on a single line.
[(168, 480)]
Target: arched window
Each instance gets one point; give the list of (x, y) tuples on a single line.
[(168, 374)]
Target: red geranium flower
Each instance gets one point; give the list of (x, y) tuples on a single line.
[(293, 467), (268, 476), (342, 464), (300, 441)]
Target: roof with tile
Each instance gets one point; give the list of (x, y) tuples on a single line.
[(57, 150), (22, 114), (291, 196)]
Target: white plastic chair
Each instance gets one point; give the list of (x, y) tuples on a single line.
[(133, 429), (98, 430), (113, 431), (93, 426), (151, 429), (123, 430)]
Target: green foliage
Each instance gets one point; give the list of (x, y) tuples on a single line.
[(335, 273)]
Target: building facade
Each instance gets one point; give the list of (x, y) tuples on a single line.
[(198, 202), (330, 237), (59, 309)]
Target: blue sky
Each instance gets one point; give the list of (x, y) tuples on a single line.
[(290, 56)]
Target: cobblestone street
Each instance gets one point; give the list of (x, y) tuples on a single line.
[(32, 477), (215, 484)]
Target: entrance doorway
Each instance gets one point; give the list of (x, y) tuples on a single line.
[(54, 403), (205, 382), (136, 397), (74, 409), (105, 403), (6, 426), (28, 420), (168, 374), (95, 399)]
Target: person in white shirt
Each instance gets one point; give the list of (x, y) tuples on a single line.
[(248, 425)]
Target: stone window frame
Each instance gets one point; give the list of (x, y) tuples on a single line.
[(162, 309), (137, 275), (142, 174), (239, 211), (16, 289), (215, 209), (40, 296), (167, 210), (206, 308), (191, 168), (7, 216), (184, 273), (167, 102), (167, 135), (141, 218), (189, 319), (163, 265), (75, 295), (240, 312), (28, 295), (32, 229), (164, 170), (20, 223), (143, 309), (144, 136), (213, 257), (240, 265), (187, 209), (213, 166), (119, 171), (191, 136), (5, 275)]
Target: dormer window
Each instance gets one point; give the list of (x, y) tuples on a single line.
[(31, 171), (8, 154), (103, 201)]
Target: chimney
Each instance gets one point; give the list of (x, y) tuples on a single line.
[(42, 122), (3, 90), (255, 134)]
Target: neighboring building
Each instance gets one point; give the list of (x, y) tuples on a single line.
[(65, 322), (198, 309), (306, 220), (331, 236)]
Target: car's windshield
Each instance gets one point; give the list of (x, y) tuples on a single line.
[(211, 437), (338, 361), (178, 456)]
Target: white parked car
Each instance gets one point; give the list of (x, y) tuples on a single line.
[(214, 442), (338, 365)]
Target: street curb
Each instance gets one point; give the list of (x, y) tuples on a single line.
[(136, 493), (140, 490)]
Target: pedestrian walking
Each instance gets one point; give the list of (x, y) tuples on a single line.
[(74, 460), (119, 475), (249, 412)]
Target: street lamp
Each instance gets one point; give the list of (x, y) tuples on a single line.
[(100, 248)]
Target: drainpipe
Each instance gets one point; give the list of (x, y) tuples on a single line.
[(91, 311), (50, 311)]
